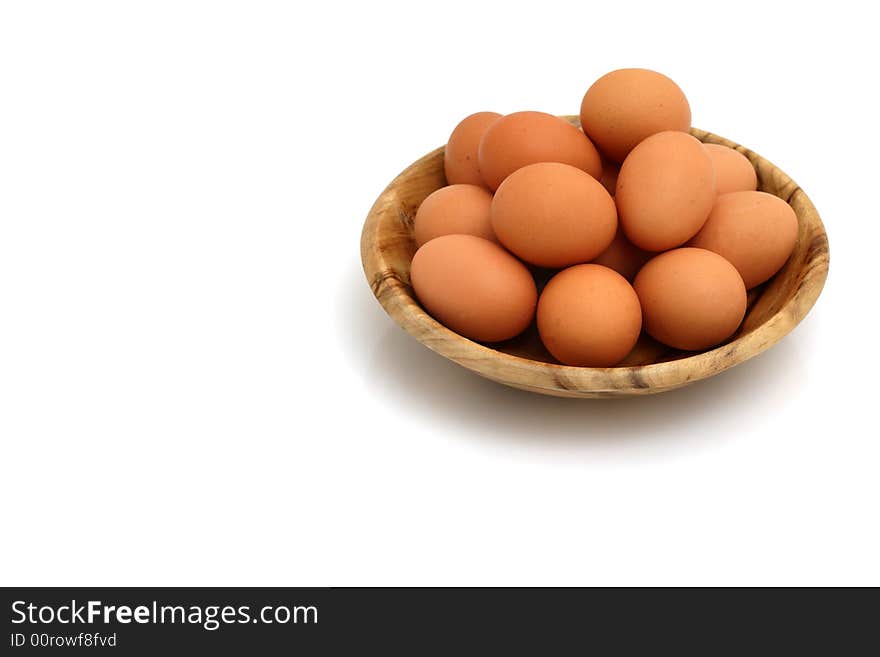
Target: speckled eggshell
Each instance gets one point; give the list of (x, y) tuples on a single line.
[(455, 209), (460, 157), (733, 171), (665, 191), (524, 138), (691, 299), (625, 106), (755, 231), (589, 316), (553, 215), (474, 287)]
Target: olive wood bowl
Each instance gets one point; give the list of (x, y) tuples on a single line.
[(774, 308)]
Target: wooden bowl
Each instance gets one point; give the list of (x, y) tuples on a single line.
[(775, 307)]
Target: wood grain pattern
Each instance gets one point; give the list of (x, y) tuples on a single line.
[(775, 307)]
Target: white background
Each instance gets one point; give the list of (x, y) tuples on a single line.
[(197, 387)]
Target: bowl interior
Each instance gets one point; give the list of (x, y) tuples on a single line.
[(388, 246)]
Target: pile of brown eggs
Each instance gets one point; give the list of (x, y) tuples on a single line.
[(641, 225)]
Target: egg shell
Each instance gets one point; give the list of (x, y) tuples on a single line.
[(665, 191), (553, 215), (474, 287), (456, 209), (755, 231), (623, 256), (624, 107), (589, 316), (460, 161), (691, 298), (610, 171), (524, 138), (733, 171)]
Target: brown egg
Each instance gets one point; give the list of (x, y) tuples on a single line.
[(610, 171), (691, 298), (755, 231), (623, 256), (589, 316), (624, 107), (522, 138), (460, 158), (456, 209), (553, 215), (474, 287), (665, 191), (733, 171)]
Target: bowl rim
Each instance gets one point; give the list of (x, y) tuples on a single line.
[(395, 296)]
